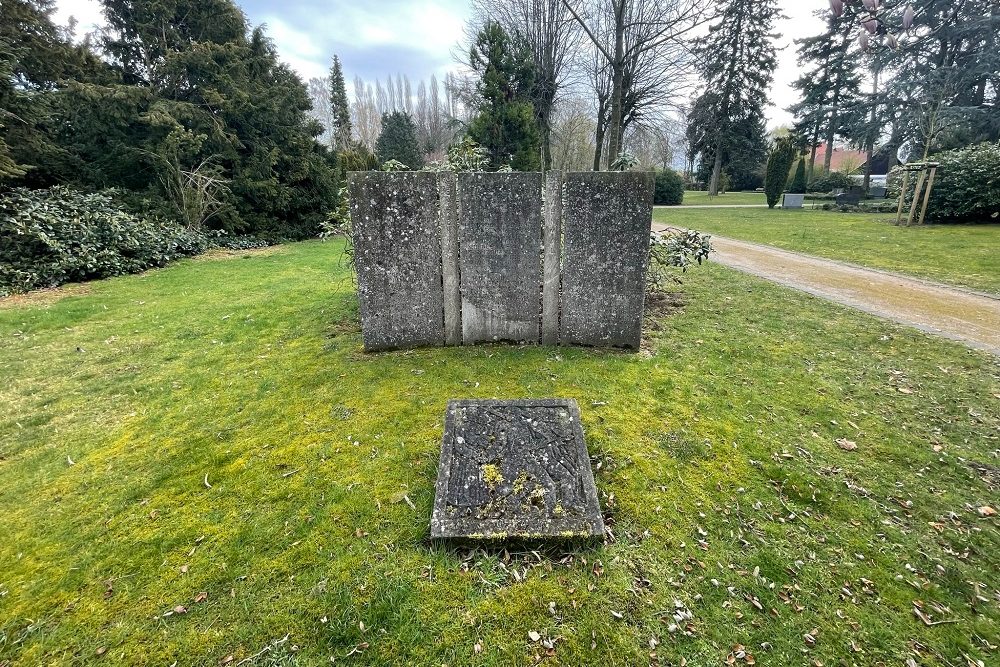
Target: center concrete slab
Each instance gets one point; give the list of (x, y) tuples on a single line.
[(515, 469), (499, 239)]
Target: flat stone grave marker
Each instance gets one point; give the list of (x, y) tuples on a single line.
[(515, 469)]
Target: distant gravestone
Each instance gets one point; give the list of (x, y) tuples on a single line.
[(515, 469), (606, 220), (500, 236), (397, 242)]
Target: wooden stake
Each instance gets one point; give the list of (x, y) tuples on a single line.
[(916, 197), (902, 195), (927, 195)]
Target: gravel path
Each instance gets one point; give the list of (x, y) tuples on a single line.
[(970, 317)]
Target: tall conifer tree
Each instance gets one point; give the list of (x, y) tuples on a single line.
[(340, 108), (737, 62)]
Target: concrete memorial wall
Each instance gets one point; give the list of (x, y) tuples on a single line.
[(446, 259)]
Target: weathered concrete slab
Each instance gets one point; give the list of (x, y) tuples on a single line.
[(515, 470), (447, 196), (500, 237), (606, 222), (551, 257), (397, 245)]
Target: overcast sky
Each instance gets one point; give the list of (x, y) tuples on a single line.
[(377, 38)]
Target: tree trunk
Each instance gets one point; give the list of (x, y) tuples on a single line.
[(870, 139), (812, 153), (713, 183), (599, 139), (831, 133), (617, 79)]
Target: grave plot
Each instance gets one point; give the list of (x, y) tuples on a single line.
[(515, 469)]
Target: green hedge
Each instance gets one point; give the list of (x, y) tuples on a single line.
[(669, 188), (831, 181), (59, 235)]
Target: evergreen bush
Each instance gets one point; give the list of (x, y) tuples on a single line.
[(669, 188), (966, 186), (59, 235), (778, 163)]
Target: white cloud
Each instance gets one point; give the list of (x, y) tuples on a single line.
[(88, 14), (800, 23)]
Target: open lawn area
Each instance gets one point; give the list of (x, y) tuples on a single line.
[(965, 255), (701, 198), (200, 461)]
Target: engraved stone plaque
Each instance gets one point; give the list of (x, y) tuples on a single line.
[(515, 470)]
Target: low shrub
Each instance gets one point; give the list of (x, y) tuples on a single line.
[(241, 242), (58, 235), (966, 186), (669, 188), (831, 181), (674, 249)]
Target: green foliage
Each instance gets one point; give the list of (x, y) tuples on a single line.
[(967, 185), (195, 113), (505, 123), (398, 141), (674, 249), (464, 155), (668, 189), (834, 180), (356, 158), (59, 235), (798, 185), (778, 163)]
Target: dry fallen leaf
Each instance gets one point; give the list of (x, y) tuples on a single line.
[(477, 648), (102, 650), (180, 609), (848, 445), (986, 510), (904, 390), (184, 569), (201, 597), (228, 659), (534, 636)]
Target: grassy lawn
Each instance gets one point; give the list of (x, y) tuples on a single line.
[(701, 198), (967, 255), (210, 438)]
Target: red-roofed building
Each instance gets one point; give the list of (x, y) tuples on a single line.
[(843, 159)]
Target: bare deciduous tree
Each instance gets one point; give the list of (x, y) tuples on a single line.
[(642, 51)]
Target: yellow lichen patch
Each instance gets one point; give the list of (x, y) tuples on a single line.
[(492, 476), (520, 481)]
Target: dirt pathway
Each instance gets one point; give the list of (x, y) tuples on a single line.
[(966, 316)]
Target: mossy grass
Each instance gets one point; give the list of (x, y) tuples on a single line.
[(214, 427), (963, 255)]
